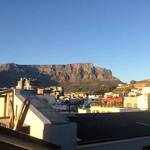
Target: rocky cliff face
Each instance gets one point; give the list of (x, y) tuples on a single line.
[(74, 72), (54, 74)]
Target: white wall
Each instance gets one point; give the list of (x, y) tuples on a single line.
[(36, 125), (2, 103), (83, 111), (98, 109), (146, 90), (93, 96), (142, 102)]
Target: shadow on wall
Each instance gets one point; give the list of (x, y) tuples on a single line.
[(62, 134)]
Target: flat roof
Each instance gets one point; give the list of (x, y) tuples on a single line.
[(103, 127)]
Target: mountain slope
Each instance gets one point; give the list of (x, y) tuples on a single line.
[(55, 74), (142, 83)]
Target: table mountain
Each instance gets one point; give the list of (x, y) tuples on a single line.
[(55, 74)]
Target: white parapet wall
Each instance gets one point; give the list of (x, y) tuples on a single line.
[(83, 111), (32, 119), (2, 106), (98, 109), (143, 102)]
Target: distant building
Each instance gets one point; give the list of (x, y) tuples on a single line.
[(40, 91), (98, 109), (143, 102), (123, 86), (24, 83), (108, 94), (77, 95), (28, 84), (134, 92), (56, 91), (146, 90), (130, 102), (140, 100)]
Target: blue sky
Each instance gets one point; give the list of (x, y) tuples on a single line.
[(113, 34)]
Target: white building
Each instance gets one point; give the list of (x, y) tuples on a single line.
[(47, 124), (134, 92), (108, 94), (98, 109), (93, 96), (146, 90), (24, 83), (143, 101)]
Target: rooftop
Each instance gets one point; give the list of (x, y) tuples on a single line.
[(103, 127), (44, 110), (18, 140)]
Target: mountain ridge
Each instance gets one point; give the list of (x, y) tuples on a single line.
[(55, 74)]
